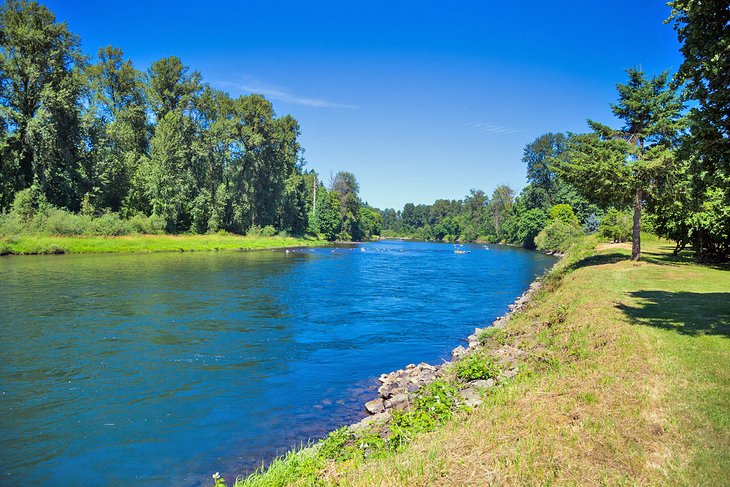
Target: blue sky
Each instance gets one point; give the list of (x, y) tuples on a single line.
[(419, 99)]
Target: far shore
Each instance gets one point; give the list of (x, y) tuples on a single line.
[(44, 245)]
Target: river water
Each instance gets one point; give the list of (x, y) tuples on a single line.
[(162, 369)]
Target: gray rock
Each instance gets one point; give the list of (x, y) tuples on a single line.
[(398, 401), (375, 419), (426, 375), (482, 384), (387, 390), (457, 352), (470, 397), (375, 406)]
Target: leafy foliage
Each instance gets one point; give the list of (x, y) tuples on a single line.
[(563, 213), (105, 138), (476, 366), (616, 226), (696, 207), (615, 167), (557, 236)]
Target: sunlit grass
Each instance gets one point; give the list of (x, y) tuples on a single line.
[(625, 380), (39, 244)]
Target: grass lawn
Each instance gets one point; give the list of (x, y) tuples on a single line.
[(39, 244), (625, 379)]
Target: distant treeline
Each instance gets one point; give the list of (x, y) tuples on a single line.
[(668, 162), (100, 147), (100, 138), (502, 216)]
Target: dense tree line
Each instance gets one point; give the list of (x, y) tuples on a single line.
[(674, 164), (99, 137), (502, 216)]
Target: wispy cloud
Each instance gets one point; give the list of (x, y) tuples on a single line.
[(488, 128), (282, 94)]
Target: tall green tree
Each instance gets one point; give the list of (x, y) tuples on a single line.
[(167, 172), (329, 220), (502, 200), (476, 205), (537, 157), (170, 86), (701, 212), (116, 128), (345, 185), (614, 167), (40, 87)]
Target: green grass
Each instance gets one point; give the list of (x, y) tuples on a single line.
[(624, 379), (40, 244)]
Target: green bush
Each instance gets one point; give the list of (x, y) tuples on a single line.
[(563, 213), (151, 225), (557, 237), (268, 231), (28, 202), (31, 215), (60, 222), (254, 231), (616, 226), (476, 366), (435, 403)]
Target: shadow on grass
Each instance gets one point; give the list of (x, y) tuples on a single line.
[(598, 259), (666, 256), (684, 312)]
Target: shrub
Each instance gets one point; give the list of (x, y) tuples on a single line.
[(476, 366), (434, 404), (616, 226), (557, 237), (31, 215), (28, 202), (563, 213), (153, 225), (592, 224), (334, 445), (59, 222), (268, 231)]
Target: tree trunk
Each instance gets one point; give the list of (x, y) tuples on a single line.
[(636, 231)]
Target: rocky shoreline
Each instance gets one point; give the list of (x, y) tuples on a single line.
[(397, 389)]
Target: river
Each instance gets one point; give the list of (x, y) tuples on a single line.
[(161, 369)]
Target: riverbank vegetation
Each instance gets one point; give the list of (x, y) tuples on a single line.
[(97, 147), (85, 244), (671, 163), (623, 378), (163, 149)]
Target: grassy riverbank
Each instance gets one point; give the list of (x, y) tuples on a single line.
[(624, 379), (42, 244)]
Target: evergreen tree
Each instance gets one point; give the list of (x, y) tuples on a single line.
[(615, 167)]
